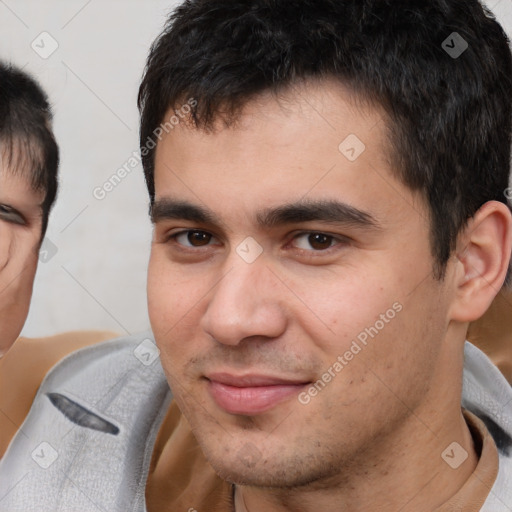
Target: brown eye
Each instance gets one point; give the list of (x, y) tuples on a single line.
[(319, 241), (315, 242), (193, 238), (198, 238)]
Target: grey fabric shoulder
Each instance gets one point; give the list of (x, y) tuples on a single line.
[(488, 395), (87, 441)]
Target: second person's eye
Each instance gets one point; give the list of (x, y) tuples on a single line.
[(11, 215)]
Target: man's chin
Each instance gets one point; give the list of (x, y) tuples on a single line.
[(238, 463), (246, 465), (240, 475), (268, 476)]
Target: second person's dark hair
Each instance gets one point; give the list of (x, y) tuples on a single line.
[(27, 142)]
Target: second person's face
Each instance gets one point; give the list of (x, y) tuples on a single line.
[(20, 234)]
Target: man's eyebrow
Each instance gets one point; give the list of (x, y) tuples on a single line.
[(324, 211), (167, 208), (293, 213)]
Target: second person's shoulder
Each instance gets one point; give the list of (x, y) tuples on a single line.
[(25, 366)]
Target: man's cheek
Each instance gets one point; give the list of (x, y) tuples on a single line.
[(163, 302)]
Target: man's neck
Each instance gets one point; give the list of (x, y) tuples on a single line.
[(415, 477)]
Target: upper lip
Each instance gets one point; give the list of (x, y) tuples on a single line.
[(252, 380)]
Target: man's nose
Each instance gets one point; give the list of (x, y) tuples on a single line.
[(247, 302)]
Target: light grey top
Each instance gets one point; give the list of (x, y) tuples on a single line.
[(87, 441)]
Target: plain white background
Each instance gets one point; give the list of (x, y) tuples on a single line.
[(94, 273)]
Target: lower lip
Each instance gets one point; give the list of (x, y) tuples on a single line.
[(251, 400)]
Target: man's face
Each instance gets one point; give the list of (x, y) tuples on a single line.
[(20, 233), (291, 290)]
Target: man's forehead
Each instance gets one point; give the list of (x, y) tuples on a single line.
[(324, 147), (301, 119), (329, 99)]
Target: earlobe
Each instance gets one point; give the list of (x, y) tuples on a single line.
[(482, 261)]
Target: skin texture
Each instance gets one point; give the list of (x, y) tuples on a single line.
[(372, 438), (20, 236)]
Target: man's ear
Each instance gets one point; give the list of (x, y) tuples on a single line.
[(483, 254)]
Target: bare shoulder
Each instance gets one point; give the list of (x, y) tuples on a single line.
[(24, 367)]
